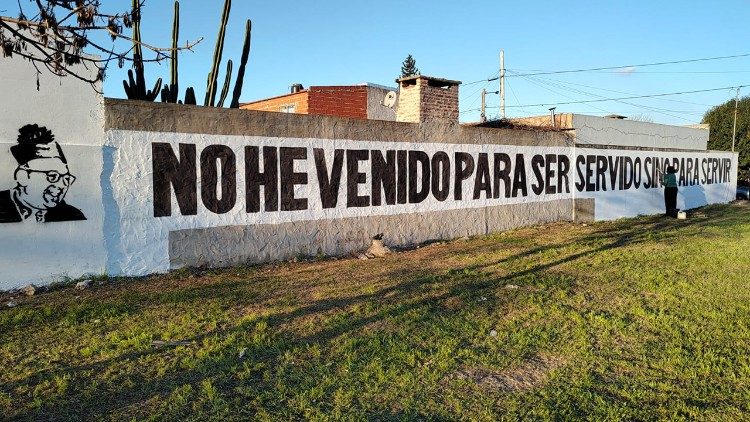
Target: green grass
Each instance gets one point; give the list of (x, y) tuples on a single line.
[(644, 318)]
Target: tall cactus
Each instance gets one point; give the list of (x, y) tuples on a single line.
[(175, 36), (225, 88), (137, 48), (136, 88), (241, 71), (211, 84), (171, 91)]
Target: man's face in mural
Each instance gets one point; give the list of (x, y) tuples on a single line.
[(43, 182)]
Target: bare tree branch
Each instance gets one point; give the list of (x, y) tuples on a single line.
[(59, 45)]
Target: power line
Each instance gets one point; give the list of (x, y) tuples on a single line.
[(520, 72), (603, 99), (494, 77), (515, 97), (633, 65), (620, 92), (688, 72), (539, 83), (632, 97), (623, 111), (645, 107), (649, 108), (479, 81), (475, 93)]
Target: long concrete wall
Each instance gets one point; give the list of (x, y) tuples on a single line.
[(132, 188), (211, 206), (205, 235)]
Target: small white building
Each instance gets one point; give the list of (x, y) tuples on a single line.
[(618, 131)]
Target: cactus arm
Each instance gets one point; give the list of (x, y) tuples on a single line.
[(129, 87), (241, 72), (190, 96), (140, 78), (135, 87), (166, 94), (140, 81), (137, 50), (169, 93), (151, 94), (225, 88), (208, 94), (175, 36), (211, 84)]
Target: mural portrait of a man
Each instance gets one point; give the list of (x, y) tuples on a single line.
[(42, 180)]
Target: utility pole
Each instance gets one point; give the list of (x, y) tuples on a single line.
[(483, 116), (502, 83), (552, 116), (734, 126)]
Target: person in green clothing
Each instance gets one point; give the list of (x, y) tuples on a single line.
[(669, 180)]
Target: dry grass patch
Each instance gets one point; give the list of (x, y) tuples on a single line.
[(530, 374), (453, 303)]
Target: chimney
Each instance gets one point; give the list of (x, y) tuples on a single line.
[(427, 99), (295, 88)]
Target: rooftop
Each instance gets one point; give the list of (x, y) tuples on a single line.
[(431, 81)]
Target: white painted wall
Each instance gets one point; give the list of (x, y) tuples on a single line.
[(46, 252), (114, 186), (612, 204), (595, 130), (143, 238), (139, 242)]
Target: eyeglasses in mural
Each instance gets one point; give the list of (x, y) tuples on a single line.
[(42, 180)]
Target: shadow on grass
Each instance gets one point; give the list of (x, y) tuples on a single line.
[(411, 292)]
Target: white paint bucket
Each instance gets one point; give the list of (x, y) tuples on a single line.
[(682, 215)]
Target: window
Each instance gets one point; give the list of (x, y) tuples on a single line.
[(288, 108)]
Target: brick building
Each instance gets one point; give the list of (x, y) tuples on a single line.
[(425, 98), (363, 101)]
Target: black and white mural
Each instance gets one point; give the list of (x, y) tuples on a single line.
[(166, 182), (41, 180), (51, 175)]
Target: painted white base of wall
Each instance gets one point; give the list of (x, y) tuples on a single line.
[(614, 204), (46, 252)]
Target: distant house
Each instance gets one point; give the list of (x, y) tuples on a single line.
[(363, 101), (618, 131)]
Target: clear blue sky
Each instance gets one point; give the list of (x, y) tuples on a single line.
[(336, 42)]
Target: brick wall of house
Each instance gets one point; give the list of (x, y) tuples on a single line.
[(300, 100), (409, 102), (439, 104), (344, 101), (420, 102)]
